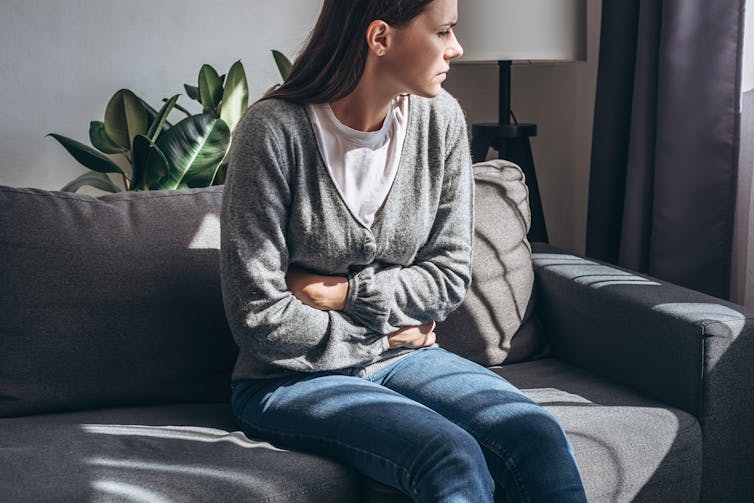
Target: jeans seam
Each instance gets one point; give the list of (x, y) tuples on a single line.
[(402, 360), (498, 451), (501, 453), (252, 427)]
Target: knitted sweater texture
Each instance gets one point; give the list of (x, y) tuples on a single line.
[(281, 209)]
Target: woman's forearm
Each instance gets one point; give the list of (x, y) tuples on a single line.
[(327, 293)]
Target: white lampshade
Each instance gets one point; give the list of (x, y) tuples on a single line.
[(521, 30)]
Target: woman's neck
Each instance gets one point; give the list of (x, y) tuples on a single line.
[(365, 108)]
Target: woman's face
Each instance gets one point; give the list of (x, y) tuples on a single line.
[(422, 50)]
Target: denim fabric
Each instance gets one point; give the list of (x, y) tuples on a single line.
[(433, 425)]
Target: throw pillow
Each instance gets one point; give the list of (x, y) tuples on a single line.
[(495, 323)]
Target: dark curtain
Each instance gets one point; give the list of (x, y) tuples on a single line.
[(666, 139)]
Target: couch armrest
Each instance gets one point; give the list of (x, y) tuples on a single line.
[(682, 347)]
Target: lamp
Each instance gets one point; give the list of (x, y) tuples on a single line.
[(504, 31)]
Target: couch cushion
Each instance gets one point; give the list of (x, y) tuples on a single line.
[(628, 447), (110, 301), (171, 453), (495, 322)]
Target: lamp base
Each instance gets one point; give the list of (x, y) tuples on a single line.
[(512, 144)]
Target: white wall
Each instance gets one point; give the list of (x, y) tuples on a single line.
[(559, 99), (62, 60)]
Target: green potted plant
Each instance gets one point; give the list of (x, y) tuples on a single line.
[(161, 155)]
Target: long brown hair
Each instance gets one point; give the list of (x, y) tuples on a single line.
[(332, 62)]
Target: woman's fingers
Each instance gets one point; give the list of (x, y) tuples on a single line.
[(418, 336)]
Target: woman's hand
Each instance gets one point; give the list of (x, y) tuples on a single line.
[(326, 293), (329, 293), (420, 336)]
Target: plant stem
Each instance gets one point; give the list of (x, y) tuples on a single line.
[(179, 107), (126, 179)]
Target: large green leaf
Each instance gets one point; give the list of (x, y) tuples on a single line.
[(151, 112), (152, 115), (93, 179), (235, 96), (222, 173), (210, 88), (158, 123), (100, 140), (150, 165), (194, 149), (87, 156), (283, 64), (192, 92), (125, 117)]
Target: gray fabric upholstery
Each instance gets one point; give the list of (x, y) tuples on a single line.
[(174, 453), (727, 403), (682, 347), (109, 301), (115, 301), (628, 447), (495, 322)]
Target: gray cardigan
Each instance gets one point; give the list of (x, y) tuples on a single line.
[(281, 209)]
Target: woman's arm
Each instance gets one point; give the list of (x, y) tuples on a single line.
[(264, 316), (387, 298), (329, 293)]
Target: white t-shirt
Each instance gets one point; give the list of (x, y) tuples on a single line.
[(362, 164)]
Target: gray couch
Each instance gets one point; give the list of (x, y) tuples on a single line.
[(115, 360)]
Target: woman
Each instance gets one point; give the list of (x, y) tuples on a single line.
[(346, 233)]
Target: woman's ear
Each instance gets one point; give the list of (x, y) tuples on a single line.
[(378, 36)]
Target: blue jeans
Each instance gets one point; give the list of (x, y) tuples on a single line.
[(433, 425)]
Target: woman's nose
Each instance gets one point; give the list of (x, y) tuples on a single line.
[(454, 50)]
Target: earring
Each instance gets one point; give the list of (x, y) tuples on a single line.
[(381, 53)]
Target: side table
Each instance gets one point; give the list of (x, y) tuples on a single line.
[(512, 143)]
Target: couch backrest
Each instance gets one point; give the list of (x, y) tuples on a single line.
[(110, 301)]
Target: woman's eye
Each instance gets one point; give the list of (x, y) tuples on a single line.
[(444, 33)]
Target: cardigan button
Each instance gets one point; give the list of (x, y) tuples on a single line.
[(369, 249)]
